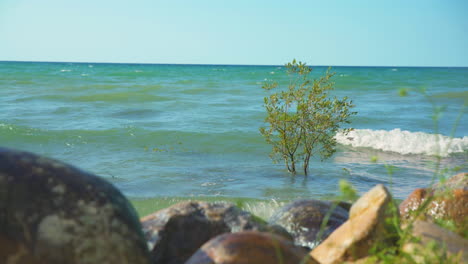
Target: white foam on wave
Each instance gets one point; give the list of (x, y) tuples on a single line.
[(404, 142), (6, 126), (263, 209)]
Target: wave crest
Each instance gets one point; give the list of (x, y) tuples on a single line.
[(404, 142)]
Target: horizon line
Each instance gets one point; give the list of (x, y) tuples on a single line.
[(221, 64)]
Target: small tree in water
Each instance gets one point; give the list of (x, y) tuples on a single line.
[(302, 119)]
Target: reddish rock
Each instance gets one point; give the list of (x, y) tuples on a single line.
[(303, 220), (412, 202), (250, 248), (53, 213), (449, 200), (175, 233)]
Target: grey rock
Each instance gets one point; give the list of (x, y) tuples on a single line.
[(175, 233), (303, 220), (53, 213), (449, 244)]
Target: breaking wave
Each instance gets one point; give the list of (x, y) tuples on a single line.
[(404, 142)]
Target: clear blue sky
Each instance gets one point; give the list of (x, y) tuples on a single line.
[(327, 32)]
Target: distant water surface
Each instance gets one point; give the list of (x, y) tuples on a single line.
[(162, 131)]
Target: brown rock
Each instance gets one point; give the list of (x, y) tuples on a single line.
[(448, 244), (303, 219), (250, 247), (365, 227), (412, 202), (175, 233), (459, 181), (365, 260), (449, 200), (53, 213)]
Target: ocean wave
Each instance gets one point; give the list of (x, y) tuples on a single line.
[(132, 137), (404, 142)]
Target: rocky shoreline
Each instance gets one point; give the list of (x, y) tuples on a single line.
[(51, 212)]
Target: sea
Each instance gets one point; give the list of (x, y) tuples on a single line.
[(167, 133)]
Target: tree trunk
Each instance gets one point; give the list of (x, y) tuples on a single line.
[(292, 168), (306, 164)]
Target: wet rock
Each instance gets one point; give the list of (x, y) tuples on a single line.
[(448, 245), (53, 213), (250, 247), (365, 227), (175, 233), (303, 220), (448, 200)]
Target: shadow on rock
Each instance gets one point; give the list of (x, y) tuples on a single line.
[(53, 213), (303, 220), (175, 233), (250, 247)]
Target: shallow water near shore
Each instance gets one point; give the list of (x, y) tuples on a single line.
[(164, 133)]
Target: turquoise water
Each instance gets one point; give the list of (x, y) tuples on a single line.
[(162, 131)]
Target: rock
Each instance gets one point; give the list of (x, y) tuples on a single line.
[(364, 228), (412, 202), (449, 200), (365, 260), (175, 233), (343, 204), (250, 247), (459, 181), (53, 213), (447, 244), (303, 219)]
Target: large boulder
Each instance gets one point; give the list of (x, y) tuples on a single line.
[(365, 228), (447, 246), (303, 219), (53, 213), (448, 201), (175, 233), (250, 247)]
